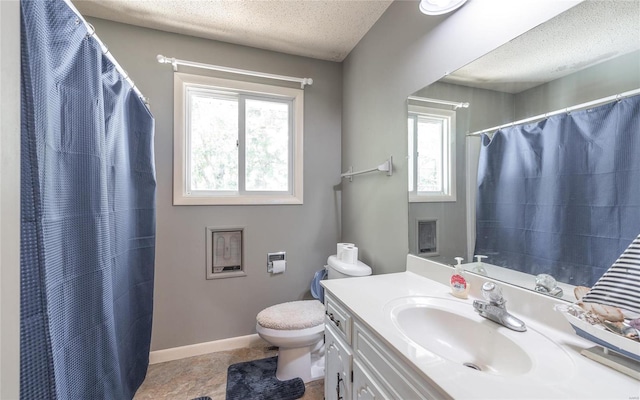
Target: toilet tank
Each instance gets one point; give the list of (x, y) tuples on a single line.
[(340, 269)]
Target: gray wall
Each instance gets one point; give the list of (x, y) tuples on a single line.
[(187, 308), (9, 199), (491, 108), (605, 79), (403, 52), (487, 108)]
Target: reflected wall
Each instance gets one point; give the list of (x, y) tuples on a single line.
[(403, 52), (489, 108)]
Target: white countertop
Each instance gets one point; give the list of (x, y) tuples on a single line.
[(366, 297)]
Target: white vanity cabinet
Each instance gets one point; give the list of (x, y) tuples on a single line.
[(382, 345), (338, 366), (338, 353), (361, 366), (365, 386)]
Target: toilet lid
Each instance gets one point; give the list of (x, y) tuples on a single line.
[(292, 315)]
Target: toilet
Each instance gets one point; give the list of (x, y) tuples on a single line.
[(297, 327)]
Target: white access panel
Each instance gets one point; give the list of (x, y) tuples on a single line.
[(224, 252)]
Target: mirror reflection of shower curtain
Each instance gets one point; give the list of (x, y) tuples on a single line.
[(87, 215), (562, 195)]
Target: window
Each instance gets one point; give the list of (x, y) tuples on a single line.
[(236, 142), (431, 154)]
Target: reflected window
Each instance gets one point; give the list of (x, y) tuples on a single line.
[(431, 154)]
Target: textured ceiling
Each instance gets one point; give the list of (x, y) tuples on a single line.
[(326, 30), (587, 34)]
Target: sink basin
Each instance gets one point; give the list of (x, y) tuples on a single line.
[(452, 330), (463, 340)]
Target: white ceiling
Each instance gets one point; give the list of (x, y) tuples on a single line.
[(587, 34), (323, 29)]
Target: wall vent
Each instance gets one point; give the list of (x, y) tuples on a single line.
[(428, 237), (225, 252)]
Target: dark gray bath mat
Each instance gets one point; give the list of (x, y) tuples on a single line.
[(256, 380)]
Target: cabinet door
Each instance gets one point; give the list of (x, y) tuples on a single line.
[(365, 386), (337, 371)]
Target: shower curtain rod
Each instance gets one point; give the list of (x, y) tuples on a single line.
[(588, 104), (456, 105), (175, 62), (105, 50)]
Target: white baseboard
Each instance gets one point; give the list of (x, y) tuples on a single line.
[(177, 353)]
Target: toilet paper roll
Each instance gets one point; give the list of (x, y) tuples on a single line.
[(340, 249), (350, 255), (279, 266)]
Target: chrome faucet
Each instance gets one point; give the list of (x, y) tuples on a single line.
[(548, 285), (495, 309)]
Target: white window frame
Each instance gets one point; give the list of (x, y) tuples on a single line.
[(181, 196), (448, 194)]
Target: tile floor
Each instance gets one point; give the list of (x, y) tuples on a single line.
[(205, 375)]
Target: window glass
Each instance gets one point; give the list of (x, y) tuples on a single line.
[(213, 146), (411, 124), (267, 145), (429, 157)]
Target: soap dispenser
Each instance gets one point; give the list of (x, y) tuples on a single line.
[(459, 284), (479, 268)]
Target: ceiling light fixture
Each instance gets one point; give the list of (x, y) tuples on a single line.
[(438, 7)]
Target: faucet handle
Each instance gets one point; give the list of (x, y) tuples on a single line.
[(492, 293), (547, 284)]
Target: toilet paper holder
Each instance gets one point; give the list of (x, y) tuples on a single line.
[(271, 257)]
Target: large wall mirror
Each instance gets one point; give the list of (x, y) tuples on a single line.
[(589, 53)]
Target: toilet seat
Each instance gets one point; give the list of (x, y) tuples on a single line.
[(293, 315)]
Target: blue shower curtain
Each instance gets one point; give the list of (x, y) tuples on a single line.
[(88, 215), (562, 196)]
